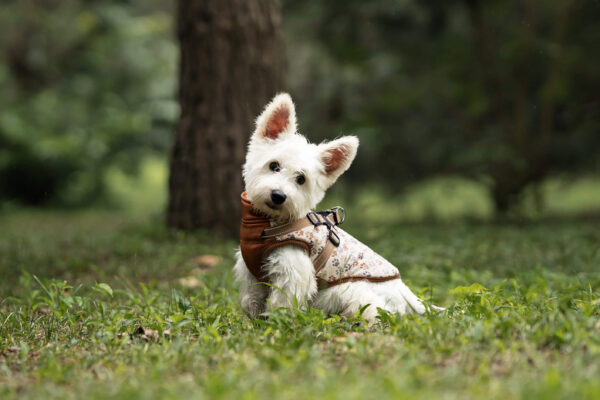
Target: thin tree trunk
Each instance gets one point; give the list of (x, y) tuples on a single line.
[(229, 69)]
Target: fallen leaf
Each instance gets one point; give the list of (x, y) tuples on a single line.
[(190, 282), (146, 333), (12, 349), (42, 310), (207, 261)]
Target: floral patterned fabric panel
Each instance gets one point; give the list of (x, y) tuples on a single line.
[(351, 259)]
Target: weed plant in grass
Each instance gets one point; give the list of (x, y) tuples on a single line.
[(97, 305)]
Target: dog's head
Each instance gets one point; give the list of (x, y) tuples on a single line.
[(285, 175)]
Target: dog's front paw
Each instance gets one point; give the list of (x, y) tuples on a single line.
[(253, 306)]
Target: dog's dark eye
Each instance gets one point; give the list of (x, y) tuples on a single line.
[(274, 166), (300, 179)]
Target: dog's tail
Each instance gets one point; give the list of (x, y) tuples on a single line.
[(414, 302)]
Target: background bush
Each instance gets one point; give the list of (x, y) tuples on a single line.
[(504, 93), (86, 85)]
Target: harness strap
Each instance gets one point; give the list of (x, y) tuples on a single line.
[(322, 258), (328, 218), (323, 284), (285, 229), (296, 226)]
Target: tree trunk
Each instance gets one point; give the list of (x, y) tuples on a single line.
[(503, 201), (229, 69)]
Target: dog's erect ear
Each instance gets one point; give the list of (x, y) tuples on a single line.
[(336, 157), (278, 118)]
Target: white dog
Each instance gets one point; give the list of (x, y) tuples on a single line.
[(304, 256)]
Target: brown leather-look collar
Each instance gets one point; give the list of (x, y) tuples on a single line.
[(253, 245), (250, 215)]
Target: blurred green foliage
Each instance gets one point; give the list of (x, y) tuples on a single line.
[(501, 92), (86, 86)]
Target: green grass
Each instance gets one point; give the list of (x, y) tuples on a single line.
[(105, 305)]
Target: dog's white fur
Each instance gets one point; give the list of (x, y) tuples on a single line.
[(289, 268)]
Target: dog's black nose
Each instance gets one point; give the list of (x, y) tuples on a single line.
[(278, 197)]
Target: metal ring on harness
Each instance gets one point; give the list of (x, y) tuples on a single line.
[(337, 211)]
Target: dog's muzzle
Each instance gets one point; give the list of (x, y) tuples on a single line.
[(278, 197)]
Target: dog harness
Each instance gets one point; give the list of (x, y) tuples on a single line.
[(336, 255)]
